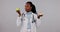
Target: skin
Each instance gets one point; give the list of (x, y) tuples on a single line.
[(19, 13), (28, 7), (39, 16)]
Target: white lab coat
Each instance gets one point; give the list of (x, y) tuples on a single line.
[(22, 24)]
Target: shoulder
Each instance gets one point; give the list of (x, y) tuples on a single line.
[(35, 15)]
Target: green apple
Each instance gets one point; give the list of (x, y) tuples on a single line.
[(17, 9)]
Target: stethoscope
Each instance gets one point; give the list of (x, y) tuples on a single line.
[(33, 21), (23, 15)]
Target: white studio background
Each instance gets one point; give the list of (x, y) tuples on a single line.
[(50, 22)]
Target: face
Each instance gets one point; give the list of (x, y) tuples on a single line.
[(28, 7)]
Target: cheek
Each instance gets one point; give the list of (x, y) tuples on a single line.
[(27, 8)]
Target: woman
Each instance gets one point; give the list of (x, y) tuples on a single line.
[(29, 21)]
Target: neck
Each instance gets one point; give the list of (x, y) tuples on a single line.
[(28, 11)]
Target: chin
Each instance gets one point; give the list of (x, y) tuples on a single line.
[(27, 10)]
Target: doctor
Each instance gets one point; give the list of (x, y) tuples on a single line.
[(29, 21)]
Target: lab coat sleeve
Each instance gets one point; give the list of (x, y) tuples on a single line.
[(38, 21), (18, 21)]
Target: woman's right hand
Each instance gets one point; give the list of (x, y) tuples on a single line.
[(19, 13)]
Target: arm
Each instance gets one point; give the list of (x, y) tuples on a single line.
[(38, 21), (18, 21), (18, 18)]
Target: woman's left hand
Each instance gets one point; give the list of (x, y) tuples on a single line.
[(40, 14)]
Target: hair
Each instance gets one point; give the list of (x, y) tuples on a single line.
[(33, 7)]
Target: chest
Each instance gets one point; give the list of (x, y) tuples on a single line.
[(28, 18)]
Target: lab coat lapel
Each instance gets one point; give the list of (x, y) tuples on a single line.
[(31, 18)]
